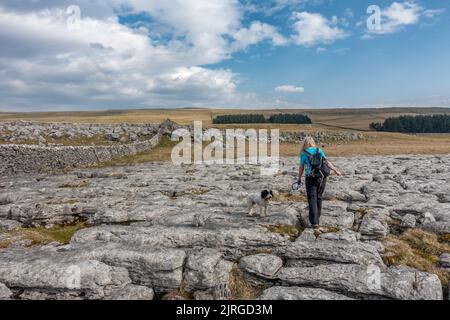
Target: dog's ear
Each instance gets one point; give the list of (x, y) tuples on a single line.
[(264, 194), (271, 193)]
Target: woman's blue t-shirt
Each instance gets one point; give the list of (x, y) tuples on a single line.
[(304, 160)]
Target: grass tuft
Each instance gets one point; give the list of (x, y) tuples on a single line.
[(362, 212), (445, 238), (285, 230), (162, 152), (42, 235), (242, 289), (417, 249), (179, 294)]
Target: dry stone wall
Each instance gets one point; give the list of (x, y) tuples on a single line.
[(20, 159)]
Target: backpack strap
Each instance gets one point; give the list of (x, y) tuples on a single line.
[(308, 154)]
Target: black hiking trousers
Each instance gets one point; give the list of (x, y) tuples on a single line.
[(314, 189)]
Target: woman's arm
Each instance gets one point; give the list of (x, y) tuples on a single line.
[(333, 168), (300, 172)]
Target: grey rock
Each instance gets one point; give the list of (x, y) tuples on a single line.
[(408, 221), (341, 235), (234, 242), (363, 281), (161, 269), (307, 235), (334, 214), (5, 293), (436, 227), (373, 228), (143, 215), (49, 275), (132, 292), (263, 265), (299, 293), (6, 199), (9, 225), (334, 252), (203, 295), (444, 260), (199, 220), (426, 218), (205, 269), (150, 267)]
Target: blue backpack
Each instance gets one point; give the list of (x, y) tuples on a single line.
[(319, 165)]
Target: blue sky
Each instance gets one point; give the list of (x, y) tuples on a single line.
[(223, 53), (407, 67)]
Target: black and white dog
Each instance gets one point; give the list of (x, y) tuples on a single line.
[(261, 200)]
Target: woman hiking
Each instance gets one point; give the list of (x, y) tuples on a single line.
[(316, 166)]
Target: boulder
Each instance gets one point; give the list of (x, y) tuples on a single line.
[(334, 214), (373, 228), (330, 251), (234, 241), (426, 218), (299, 293), (7, 199), (408, 221), (44, 276), (262, 265), (367, 281), (307, 235), (132, 292), (444, 260), (341, 235), (205, 269), (5, 293), (440, 227), (160, 269), (9, 225)]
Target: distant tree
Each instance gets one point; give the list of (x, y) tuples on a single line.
[(239, 118), (295, 118), (376, 126), (259, 118), (439, 123)]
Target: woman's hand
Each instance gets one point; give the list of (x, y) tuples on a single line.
[(334, 169)]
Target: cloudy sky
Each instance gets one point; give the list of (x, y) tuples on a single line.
[(223, 53)]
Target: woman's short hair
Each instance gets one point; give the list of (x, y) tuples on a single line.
[(309, 143)]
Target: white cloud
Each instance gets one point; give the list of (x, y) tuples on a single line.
[(43, 64), (289, 89), (399, 15), (256, 33), (313, 28), (432, 13)]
